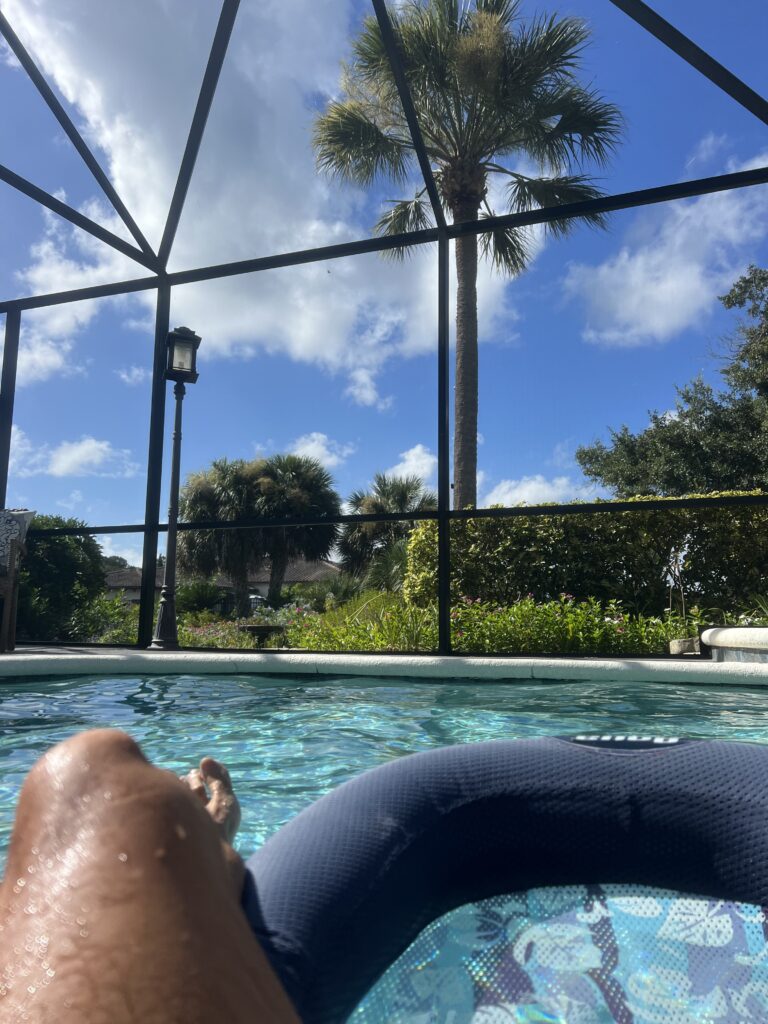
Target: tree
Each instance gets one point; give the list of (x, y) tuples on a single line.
[(59, 577), (361, 543), (294, 486), (486, 87), (228, 490), (714, 440), (112, 563)]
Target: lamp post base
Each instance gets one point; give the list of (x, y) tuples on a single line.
[(164, 645), (166, 636)]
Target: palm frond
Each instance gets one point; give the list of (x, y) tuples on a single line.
[(567, 125), (532, 193), (350, 144), (403, 216), (506, 11), (545, 49), (509, 249)]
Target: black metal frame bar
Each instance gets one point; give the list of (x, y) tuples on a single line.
[(205, 99), (163, 282), (73, 134), (74, 216), (605, 204), (692, 54)]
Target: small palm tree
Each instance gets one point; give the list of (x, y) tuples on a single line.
[(227, 490), (293, 486), (486, 87), (361, 543)]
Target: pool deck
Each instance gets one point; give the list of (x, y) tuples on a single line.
[(29, 662)]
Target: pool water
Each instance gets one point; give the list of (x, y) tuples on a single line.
[(287, 742)]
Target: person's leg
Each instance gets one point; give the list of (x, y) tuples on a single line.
[(120, 901)]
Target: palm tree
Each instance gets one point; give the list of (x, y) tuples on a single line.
[(361, 542), (294, 486), (227, 490), (486, 87)]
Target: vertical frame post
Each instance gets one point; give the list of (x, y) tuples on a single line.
[(8, 394), (443, 448), (154, 468)]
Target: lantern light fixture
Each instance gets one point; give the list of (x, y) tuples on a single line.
[(183, 344)]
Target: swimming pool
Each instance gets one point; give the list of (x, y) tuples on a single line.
[(287, 742)]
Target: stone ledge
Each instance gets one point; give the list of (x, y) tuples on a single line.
[(25, 663), (747, 638)]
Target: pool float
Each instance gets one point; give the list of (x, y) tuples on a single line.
[(341, 891)]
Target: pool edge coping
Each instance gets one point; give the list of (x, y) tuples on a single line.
[(120, 662)]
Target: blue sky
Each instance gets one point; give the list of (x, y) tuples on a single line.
[(339, 360)]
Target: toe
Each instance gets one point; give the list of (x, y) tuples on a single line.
[(215, 774), (223, 805), (194, 780)]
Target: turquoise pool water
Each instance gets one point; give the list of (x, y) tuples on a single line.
[(288, 742)]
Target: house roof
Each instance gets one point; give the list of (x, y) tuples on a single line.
[(297, 571)]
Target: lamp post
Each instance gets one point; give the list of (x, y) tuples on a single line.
[(181, 368)]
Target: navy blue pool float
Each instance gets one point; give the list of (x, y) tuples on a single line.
[(337, 894)]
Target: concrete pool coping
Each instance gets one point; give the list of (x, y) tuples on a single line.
[(30, 663)]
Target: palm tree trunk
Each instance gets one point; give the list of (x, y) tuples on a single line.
[(466, 383), (278, 557)]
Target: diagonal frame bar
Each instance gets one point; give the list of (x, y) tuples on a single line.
[(692, 54), (204, 101), (74, 135), (74, 216), (398, 72)]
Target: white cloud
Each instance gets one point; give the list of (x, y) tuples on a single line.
[(674, 264), (132, 375), (131, 553), (707, 149), (538, 489), (86, 457), (72, 501), (417, 461), (134, 88), (319, 446)]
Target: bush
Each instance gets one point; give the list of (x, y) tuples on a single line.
[(374, 621), (386, 622), (717, 557), (563, 626), (197, 596), (106, 620)]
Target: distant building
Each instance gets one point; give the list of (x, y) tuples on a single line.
[(128, 581)]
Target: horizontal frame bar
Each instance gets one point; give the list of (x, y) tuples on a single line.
[(588, 508), (606, 204)]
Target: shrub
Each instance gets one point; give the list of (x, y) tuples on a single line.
[(716, 557), (386, 622), (107, 620), (564, 626), (197, 596)]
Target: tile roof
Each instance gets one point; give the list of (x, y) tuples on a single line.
[(298, 571)]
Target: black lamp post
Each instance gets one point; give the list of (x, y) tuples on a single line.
[(182, 368)]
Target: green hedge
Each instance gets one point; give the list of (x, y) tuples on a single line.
[(720, 557)]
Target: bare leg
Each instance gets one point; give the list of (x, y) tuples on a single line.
[(120, 901)]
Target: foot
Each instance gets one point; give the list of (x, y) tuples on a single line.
[(212, 785)]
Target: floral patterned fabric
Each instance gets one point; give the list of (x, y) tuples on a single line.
[(13, 526), (582, 955)]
